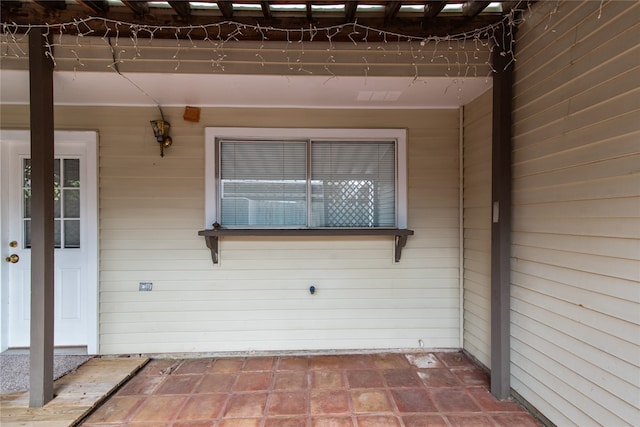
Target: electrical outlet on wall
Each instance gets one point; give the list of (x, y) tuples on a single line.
[(145, 286)]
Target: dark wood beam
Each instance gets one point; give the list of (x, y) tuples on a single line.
[(433, 8), (182, 8), (42, 220), (501, 218), (138, 7), (226, 7), (442, 25), (266, 10), (309, 12), (350, 9), (473, 7), (391, 10), (95, 6), (52, 5)]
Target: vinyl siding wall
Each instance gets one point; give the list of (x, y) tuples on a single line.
[(258, 297), (477, 227), (575, 319)]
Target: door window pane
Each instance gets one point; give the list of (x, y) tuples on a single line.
[(71, 203), (66, 204), (72, 173), (71, 233)]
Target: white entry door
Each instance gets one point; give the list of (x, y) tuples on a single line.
[(75, 257)]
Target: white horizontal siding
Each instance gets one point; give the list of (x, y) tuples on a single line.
[(477, 228), (257, 298), (575, 297)]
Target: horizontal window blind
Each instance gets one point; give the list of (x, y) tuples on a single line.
[(263, 183), (353, 184)]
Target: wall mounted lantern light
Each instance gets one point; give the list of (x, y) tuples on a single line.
[(161, 132)]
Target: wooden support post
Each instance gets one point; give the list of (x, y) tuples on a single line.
[(42, 221), (501, 222)]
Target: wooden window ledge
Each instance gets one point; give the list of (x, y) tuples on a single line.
[(211, 236)]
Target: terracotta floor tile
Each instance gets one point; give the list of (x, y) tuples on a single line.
[(158, 408), (258, 364), (288, 403), (158, 366), (424, 360), (327, 379), (286, 422), (246, 405), (389, 361), (290, 380), (370, 401), (489, 403), (425, 420), (293, 363), (401, 378), (117, 410), (356, 361), (515, 419), (331, 422), (439, 378), (378, 421), (413, 400), (472, 377), (203, 407), (253, 381), (365, 379), (240, 422), (141, 385), (215, 383), (193, 366), (329, 402), (201, 423), (454, 359), (372, 390), (471, 420), (325, 362), (454, 400), (144, 424), (178, 384), (226, 366)]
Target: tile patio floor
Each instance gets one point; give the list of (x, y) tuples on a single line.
[(364, 390)]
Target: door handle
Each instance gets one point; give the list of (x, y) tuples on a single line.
[(13, 258)]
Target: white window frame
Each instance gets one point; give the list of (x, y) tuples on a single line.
[(214, 133)]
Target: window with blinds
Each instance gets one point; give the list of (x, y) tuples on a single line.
[(306, 183)]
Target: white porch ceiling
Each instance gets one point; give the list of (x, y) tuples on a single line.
[(228, 90)]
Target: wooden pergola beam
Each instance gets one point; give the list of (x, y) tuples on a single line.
[(95, 6), (52, 4), (433, 8), (391, 10), (42, 220), (309, 11), (138, 7), (350, 9), (266, 9), (226, 7), (473, 8), (182, 8)]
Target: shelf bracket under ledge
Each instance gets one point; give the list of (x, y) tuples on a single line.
[(212, 236)]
